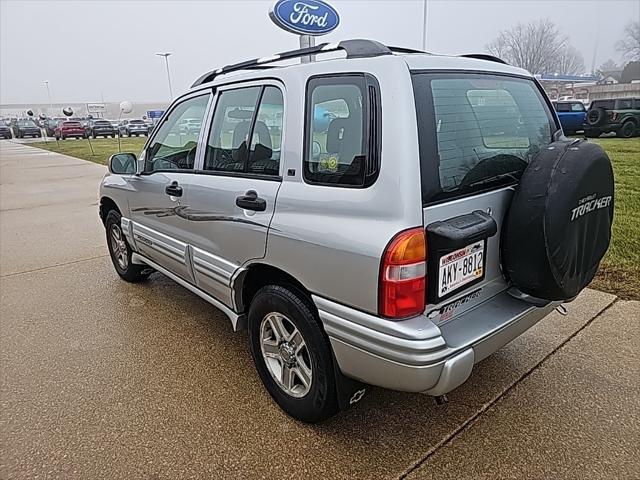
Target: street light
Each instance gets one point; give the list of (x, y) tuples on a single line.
[(166, 60), (46, 83), (425, 19)]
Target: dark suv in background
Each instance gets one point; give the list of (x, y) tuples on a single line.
[(620, 115), (25, 127), (100, 128)]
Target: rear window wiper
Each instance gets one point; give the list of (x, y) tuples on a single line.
[(514, 175)]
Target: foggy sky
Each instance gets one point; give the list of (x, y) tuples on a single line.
[(94, 49)]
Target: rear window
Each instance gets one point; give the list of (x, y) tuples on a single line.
[(137, 121), (72, 124), (477, 132), (606, 104)]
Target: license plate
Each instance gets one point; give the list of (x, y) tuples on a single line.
[(460, 267)]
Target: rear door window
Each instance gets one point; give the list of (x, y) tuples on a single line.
[(342, 131), (477, 132), (625, 104)]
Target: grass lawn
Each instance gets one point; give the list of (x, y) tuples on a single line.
[(103, 148), (620, 270)]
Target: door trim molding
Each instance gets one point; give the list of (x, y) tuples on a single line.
[(238, 322)]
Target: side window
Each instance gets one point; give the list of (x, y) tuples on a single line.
[(341, 134), (624, 104), (264, 155), (227, 144), (174, 146)]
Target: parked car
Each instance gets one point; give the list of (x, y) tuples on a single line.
[(428, 223), (572, 115), (100, 128), (5, 131), (620, 115), (128, 128), (25, 127), (69, 129), (50, 126), (190, 126)]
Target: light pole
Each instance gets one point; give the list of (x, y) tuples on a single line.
[(46, 83), (425, 14), (166, 60)]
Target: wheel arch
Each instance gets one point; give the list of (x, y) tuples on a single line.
[(257, 275), (106, 205)]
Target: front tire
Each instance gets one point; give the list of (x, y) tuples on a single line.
[(627, 129), (292, 353), (120, 251)]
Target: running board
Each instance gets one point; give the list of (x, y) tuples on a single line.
[(238, 322)]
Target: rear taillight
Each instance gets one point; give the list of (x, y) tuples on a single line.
[(403, 280)]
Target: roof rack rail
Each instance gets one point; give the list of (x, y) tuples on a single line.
[(354, 49), (484, 56)]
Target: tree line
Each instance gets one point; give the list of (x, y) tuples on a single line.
[(540, 47)]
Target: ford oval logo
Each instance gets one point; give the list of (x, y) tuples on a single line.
[(305, 17)]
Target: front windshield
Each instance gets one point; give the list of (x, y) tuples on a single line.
[(26, 123), (477, 131)]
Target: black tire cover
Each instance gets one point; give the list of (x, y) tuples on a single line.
[(558, 226)]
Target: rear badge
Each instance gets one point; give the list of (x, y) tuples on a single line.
[(446, 312)]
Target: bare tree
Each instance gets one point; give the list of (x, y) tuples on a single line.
[(538, 47), (629, 44), (569, 61)]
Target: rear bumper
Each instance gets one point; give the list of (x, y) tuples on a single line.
[(415, 355)]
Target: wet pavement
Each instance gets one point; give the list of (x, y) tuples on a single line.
[(104, 379)]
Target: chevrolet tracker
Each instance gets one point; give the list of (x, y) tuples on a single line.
[(388, 218)]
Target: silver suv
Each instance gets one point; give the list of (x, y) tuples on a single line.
[(390, 218)]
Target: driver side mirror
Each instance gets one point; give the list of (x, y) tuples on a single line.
[(123, 164)]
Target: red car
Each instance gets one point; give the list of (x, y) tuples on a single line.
[(69, 129)]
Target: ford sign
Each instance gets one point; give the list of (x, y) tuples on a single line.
[(304, 17)]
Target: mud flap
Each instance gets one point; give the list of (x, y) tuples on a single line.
[(348, 390)]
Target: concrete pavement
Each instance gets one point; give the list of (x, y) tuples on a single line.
[(104, 379)]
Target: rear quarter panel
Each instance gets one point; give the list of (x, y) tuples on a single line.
[(329, 238)]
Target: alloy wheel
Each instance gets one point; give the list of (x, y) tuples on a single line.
[(285, 354)]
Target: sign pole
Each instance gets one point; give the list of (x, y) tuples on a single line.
[(307, 41)]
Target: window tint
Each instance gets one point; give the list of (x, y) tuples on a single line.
[(174, 148), (563, 107), (476, 132), (606, 104), (264, 156), (624, 104), (336, 138), (227, 145)]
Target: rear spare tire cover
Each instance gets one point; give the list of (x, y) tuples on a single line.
[(558, 226)]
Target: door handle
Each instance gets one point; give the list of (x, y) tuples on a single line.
[(251, 201), (173, 189)]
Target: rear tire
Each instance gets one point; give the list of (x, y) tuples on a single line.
[(627, 130), (120, 251), (285, 332)]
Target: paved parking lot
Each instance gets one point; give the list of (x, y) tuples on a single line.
[(104, 379)]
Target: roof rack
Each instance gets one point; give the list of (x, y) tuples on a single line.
[(484, 56), (353, 48)]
